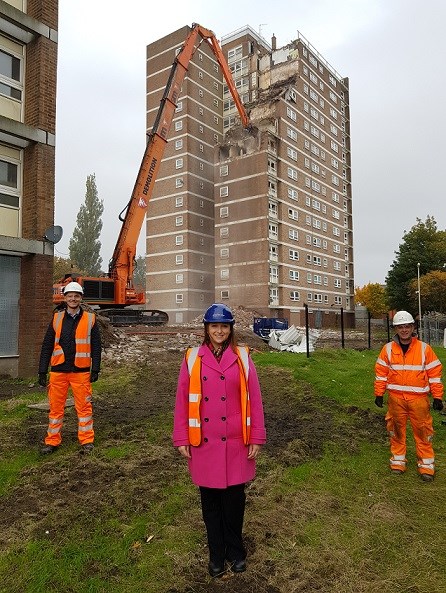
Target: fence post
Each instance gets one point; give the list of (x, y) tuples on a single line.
[(369, 328), (342, 327), (307, 332)]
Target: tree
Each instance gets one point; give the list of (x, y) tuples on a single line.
[(423, 244), (432, 291), (139, 275), (84, 245), (64, 266), (373, 297)]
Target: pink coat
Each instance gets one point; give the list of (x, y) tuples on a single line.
[(221, 460)]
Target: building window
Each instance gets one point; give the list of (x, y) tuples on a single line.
[(179, 239), (178, 125), (179, 278), (10, 75), (179, 259), (224, 294), (294, 275), (9, 182), (178, 298), (294, 295), (292, 194), (224, 212), (293, 214), (273, 252), (179, 201), (293, 234), (224, 232), (273, 274), (179, 182), (294, 255), (178, 163), (273, 230), (224, 273), (224, 191), (179, 221), (291, 114), (224, 252), (292, 173), (178, 144), (224, 170)]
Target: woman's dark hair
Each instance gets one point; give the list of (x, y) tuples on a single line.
[(231, 341)]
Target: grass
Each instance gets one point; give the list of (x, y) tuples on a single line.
[(335, 523)]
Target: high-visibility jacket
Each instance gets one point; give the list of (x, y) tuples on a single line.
[(194, 368), (82, 339), (413, 374)]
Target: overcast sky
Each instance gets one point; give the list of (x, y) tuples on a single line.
[(393, 52)]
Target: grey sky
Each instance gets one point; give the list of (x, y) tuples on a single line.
[(391, 50)]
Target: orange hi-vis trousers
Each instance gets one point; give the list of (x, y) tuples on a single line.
[(59, 384), (414, 408)]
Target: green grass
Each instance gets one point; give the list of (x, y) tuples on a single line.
[(339, 523)]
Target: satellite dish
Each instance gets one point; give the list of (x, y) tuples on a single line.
[(54, 234)]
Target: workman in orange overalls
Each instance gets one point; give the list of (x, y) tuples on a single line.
[(408, 369), (72, 346)]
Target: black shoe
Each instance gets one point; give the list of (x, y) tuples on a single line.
[(427, 477), (238, 566), (48, 449), (216, 570), (87, 448)]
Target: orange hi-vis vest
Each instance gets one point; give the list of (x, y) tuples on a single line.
[(194, 367), (82, 338), (411, 375)]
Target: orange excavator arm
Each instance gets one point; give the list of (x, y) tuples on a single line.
[(121, 265)]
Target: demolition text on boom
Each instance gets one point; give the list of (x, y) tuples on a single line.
[(149, 176)]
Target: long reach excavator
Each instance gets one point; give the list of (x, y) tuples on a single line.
[(116, 293)]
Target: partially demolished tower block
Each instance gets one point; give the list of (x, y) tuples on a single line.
[(259, 217)]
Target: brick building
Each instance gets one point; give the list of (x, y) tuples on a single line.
[(28, 61), (261, 217)]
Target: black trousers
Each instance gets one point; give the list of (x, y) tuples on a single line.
[(223, 512)]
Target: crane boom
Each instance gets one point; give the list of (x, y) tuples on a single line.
[(121, 265)]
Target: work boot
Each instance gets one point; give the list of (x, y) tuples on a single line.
[(427, 477), (48, 449), (87, 448), (397, 472)]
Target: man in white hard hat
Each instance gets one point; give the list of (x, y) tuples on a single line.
[(72, 346), (408, 370)]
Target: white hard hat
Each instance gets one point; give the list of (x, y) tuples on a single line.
[(73, 287), (402, 317)]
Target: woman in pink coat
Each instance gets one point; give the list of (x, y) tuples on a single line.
[(219, 427)]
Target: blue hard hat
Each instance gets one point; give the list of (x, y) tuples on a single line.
[(218, 313)]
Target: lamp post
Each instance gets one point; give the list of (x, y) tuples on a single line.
[(420, 325)]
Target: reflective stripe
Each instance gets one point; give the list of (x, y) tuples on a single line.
[(408, 388), (85, 419), (192, 357), (194, 423), (427, 464), (399, 458), (407, 367), (85, 428), (55, 420), (82, 354), (435, 380), (433, 364), (54, 430), (380, 378)]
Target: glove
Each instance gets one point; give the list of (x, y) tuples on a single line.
[(94, 376), (437, 404), (379, 400), (42, 379)]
